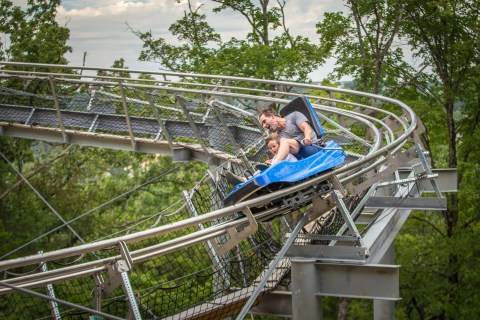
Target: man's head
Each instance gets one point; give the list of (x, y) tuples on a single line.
[(269, 119)]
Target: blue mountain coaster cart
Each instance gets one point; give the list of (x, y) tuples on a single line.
[(286, 173)]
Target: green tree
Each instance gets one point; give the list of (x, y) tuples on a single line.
[(193, 31), (363, 43), (435, 251), (118, 64), (81, 183), (445, 35), (33, 33), (260, 55)]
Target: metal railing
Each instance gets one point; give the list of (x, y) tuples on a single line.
[(188, 116)]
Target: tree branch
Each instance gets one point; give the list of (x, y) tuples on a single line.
[(429, 223), (37, 170)]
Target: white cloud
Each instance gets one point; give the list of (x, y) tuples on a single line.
[(99, 27)]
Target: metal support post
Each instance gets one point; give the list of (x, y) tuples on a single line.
[(227, 131), (346, 215), (57, 107), (428, 170), (127, 288), (181, 101), (123, 266), (51, 293), (127, 116), (163, 128), (306, 304), (272, 267), (385, 309), (98, 292), (118, 275)]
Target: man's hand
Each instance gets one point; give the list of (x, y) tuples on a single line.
[(307, 141)]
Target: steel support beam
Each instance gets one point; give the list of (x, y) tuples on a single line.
[(312, 280), (306, 304), (276, 303), (385, 309), (179, 153), (406, 203)]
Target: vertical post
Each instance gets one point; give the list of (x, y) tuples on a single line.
[(127, 116), (51, 293), (428, 170), (162, 126), (132, 303), (57, 107), (123, 266), (385, 309), (306, 305)]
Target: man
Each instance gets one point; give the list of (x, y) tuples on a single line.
[(296, 138), (296, 134)]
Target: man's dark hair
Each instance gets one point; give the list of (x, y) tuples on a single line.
[(268, 112)]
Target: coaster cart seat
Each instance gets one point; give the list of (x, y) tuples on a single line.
[(287, 173)]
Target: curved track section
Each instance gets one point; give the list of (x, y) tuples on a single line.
[(195, 259)]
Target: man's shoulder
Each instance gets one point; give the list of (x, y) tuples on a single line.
[(297, 115)]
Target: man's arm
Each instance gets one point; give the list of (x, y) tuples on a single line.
[(307, 133)]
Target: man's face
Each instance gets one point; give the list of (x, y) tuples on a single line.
[(269, 122)]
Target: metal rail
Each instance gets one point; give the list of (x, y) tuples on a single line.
[(381, 137)]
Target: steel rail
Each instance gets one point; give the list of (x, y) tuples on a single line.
[(334, 110), (101, 265), (375, 157)]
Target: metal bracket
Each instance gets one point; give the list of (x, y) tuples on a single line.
[(118, 275), (394, 162), (314, 193), (408, 180), (237, 236), (348, 219), (428, 170), (116, 268)]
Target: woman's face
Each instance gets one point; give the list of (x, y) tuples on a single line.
[(273, 146)]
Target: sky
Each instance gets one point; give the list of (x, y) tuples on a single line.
[(99, 27)]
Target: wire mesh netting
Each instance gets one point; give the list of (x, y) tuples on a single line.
[(175, 272), (113, 109), (191, 280)]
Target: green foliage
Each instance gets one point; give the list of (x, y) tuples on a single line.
[(259, 55), (193, 31), (34, 34), (118, 64), (78, 181), (362, 42), (436, 251)]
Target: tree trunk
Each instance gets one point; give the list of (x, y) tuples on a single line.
[(343, 308), (451, 214)]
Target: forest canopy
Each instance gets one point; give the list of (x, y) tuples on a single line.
[(371, 41)]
